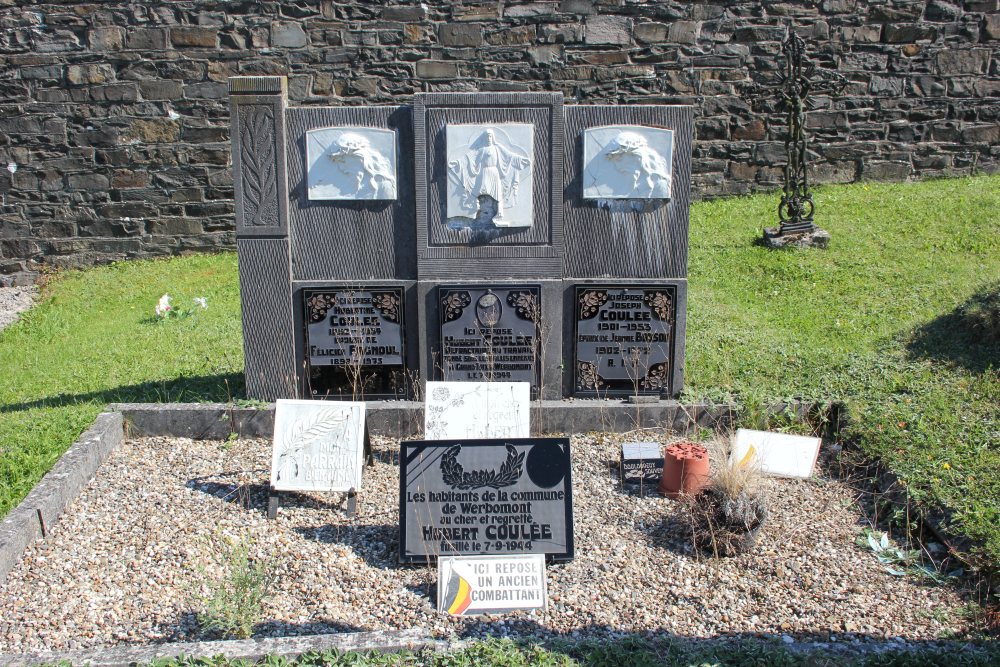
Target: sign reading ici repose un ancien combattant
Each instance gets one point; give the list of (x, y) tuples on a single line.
[(485, 497)]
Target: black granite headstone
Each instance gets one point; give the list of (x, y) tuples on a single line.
[(354, 337), (490, 334), (485, 497), (624, 339)]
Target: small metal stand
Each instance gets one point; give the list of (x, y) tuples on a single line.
[(274, 495)]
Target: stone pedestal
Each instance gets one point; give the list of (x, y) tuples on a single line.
[(816, 238)]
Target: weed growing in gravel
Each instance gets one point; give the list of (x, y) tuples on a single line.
[(233, 603)]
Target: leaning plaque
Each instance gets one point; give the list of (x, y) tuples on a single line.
[(624, 339), (318, 446), (485, 497), (354, 340), (490, 333)]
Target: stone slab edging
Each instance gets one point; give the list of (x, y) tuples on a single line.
[(236, 649), (43, 506), (217, 421)]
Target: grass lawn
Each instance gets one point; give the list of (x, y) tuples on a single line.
[(871, 321)]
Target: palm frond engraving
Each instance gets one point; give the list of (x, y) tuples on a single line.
[(454, 475), (325, 425), (257, 157)]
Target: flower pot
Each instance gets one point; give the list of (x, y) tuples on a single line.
[(725, 526), (685, 469)]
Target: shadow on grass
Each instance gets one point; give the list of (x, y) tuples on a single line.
[(969, 336), (220, 388)]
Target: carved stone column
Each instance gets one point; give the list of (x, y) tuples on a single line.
[(257, 105)]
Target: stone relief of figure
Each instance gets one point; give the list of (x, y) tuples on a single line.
[(355, 157), (489, 169), (641, 165)]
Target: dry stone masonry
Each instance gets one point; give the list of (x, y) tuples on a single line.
[(114, 122)]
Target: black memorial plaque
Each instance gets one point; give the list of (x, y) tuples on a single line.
[(624, 339), (354, 339), (490, 334), (485, 497)]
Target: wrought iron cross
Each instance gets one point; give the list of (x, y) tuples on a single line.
[(795, 211)]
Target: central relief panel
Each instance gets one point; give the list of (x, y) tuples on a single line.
[(489, 175)]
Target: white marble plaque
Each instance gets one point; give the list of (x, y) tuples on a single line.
[(352, 163), (490, 173), (778, 454), (627, 162), (458, 410), (318, 445)]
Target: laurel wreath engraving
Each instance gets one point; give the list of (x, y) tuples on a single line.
[(259, 178), (454, 475), (309, 431)]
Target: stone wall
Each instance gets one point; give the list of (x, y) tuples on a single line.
[(114, 117)]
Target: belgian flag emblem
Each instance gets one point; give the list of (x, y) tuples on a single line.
[(459, 597)]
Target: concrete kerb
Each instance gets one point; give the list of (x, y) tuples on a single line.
[(49, 499), (245, 649)]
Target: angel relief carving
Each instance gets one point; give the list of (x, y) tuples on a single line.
[(489, 174)]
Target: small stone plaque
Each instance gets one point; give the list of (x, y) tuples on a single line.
[(353, 332), (477, 410), (489, 166), (642, 463), (485, 497), (318, 446), (472, 585), (351, 163), (490, 333), (624, 339), (627, 162)]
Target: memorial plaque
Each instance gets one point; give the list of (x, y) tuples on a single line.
[(490, 333), (471, 585), (477, 410), (318, 446), (354, 337), (624, 339), (642, 463), (485, 497)]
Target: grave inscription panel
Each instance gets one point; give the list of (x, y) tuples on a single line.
[(624, 339), (356, 330), (485, 497), (490, 333)]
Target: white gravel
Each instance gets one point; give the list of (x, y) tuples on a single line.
[(124, 563), (13, 301)]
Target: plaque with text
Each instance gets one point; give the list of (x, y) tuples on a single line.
[(485, 497), (354, 339), (624, 339), (490, 334)]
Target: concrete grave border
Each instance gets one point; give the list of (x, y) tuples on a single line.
[(43, 506)]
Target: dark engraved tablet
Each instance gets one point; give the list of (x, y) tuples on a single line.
[(624, 339), (485, 497), (354, 338), (490, 334)]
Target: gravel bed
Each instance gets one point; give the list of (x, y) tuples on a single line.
[(125, 563), (13, 301)]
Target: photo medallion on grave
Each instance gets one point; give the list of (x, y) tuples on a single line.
[(490, 334), (485, 497), (624, 343), (354, 341)]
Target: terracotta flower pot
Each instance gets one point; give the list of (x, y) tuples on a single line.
[(685, 469)]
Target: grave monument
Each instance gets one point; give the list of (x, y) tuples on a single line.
[(498, 237)]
